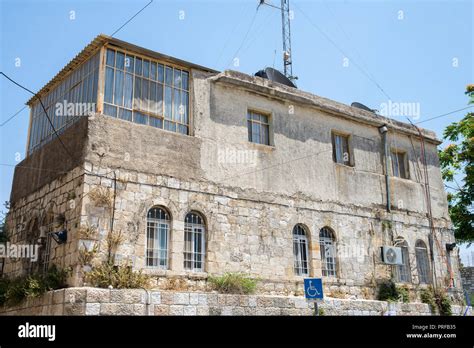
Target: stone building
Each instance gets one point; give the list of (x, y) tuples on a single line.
[(204, 172)]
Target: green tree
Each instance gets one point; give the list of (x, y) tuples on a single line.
[(457, 167)]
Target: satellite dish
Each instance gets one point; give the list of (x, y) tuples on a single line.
[(362, 106), (275, 76)]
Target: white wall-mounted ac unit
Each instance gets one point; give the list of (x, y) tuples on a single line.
[(392, 255)]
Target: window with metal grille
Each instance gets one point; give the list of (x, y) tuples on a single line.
[(403, 271), (194, 242), (327, 246), (146, 92), (398, 164), (340, 147), (158, 233), (300, 250), (47, 251), (258, 128), (422, 262), (48, 225)]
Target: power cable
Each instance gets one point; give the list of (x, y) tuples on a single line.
[(327, 37), (128, 21), (44, 109), (245, 38), (446, 114), (13, 116)]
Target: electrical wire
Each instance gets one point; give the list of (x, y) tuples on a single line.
[(128, 21), (245, 38), (446, 114), (241, 17), (13, 116), (44, 109), (330, 40)]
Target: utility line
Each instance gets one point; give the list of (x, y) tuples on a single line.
[(242, 16), (277, 164), (349, 39), (128, 21), (258, 31), (13, 116), (327, 37), (446, 114), (245, 38), (44, 109)]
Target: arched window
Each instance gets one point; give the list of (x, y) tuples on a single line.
[(422, 262), (48, 223), (194, 242), (403, 271), (300, 250), (158, 235), (327, 246)]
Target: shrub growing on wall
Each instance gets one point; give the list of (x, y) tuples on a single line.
[(388, 291), (233, 283), (437, 300), (118, 276), (15, 290)]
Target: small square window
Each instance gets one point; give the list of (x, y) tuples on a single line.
[(258, 128), (398, 160), (340, 147)]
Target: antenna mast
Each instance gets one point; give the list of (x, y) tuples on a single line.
[(286, 35)]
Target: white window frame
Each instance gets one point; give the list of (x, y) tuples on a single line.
[(157, 261), (327, 246), (403, 272), (195, 229), (300, 249)]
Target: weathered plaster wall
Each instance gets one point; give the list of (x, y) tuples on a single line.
[(49, 162), (300, 158)]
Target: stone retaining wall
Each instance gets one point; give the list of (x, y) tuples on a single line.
[(94, 301), (467, 276)]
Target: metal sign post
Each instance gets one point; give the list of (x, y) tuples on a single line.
[(313, 291)]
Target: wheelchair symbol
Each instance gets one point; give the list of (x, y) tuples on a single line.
[(311, 290)]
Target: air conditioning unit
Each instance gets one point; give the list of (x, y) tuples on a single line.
[(392, 255)]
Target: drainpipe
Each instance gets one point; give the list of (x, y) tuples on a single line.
[(384, 131), (147, 301)]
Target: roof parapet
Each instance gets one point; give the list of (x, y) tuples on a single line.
[(282, 92)]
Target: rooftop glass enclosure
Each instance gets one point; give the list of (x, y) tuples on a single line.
[(75, 96), (132, 87)]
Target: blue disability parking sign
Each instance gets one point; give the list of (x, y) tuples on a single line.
[(313, 288)]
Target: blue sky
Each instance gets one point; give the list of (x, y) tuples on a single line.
[(417, 51)]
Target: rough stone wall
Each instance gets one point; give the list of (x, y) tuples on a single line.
[(251, 232), (94, 301), (31, 216), (467, 276), (251, 205)]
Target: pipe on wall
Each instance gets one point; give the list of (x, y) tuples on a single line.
[(384, 131)]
